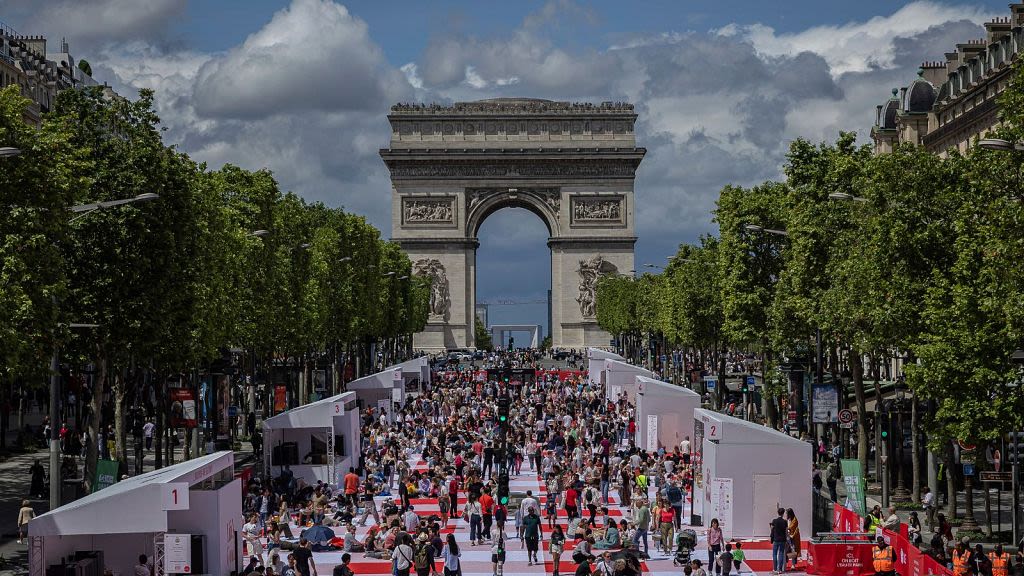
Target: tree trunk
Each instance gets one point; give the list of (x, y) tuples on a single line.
[(96, 416), (120, 383), (950, 484), (857, 376)]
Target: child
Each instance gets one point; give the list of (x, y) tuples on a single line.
[(725, 560), (552, 510), (738, 557)]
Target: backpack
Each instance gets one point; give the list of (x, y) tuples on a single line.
[(674, 494), (423, 558)]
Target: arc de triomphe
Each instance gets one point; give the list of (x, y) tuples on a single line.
[(571, 164)]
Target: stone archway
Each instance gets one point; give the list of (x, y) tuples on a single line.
[(573, 165)]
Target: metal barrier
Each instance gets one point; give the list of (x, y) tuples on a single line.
[(821, 513)]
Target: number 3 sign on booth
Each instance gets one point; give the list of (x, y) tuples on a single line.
[(175, 496)]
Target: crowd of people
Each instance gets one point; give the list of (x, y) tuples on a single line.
[(565, 431)]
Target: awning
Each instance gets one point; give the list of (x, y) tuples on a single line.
[(315, 415), (133, 505)]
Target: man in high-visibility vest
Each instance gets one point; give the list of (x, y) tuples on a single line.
[(1000, 561), (961, 558), (883, 559)]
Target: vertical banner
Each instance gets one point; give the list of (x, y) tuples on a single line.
[(106, 474), (652, 432), (280, 398), (856, 498), (721, 505)]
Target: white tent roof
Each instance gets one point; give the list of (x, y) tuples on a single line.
[(382, 380), (598, 354), (680, 390), (613, 365), (315, 415), (133, 505), (739, 431)]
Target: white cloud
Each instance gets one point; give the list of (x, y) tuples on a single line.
[(279, 70), (858, 46), (94, 23)]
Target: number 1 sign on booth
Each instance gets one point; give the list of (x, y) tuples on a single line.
[(175, 496)]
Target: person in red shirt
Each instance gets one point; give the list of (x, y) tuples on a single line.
[(487, 508), (351, 482), (570, 503)]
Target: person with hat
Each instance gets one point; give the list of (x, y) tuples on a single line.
[(883, 559), (423, 559)]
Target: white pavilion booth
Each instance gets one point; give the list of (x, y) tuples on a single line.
[(747, 472), (618, 376), (415, 374), (595, 362), (381, 391), (664, 413), (318, 441), (185, 518)]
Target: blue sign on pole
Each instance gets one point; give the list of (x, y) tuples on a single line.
[(968, 469), (663, 358), (751, 381)]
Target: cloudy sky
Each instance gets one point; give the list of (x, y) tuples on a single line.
[(302, 87)]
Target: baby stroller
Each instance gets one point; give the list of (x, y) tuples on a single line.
[(686, 541)]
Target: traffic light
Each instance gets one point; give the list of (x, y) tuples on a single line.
[(503, 488), (504, 402), (744, 388)]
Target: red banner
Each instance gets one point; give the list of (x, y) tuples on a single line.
[(839, 559), (280, 398), (834, 558), (845, 520)]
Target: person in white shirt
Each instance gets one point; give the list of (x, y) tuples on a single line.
[(928, 502), (684, 446), (147, 432), (529, 502)]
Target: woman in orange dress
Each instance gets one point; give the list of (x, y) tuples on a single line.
[(794, 537)]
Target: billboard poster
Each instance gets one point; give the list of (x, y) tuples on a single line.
[(183, 408), (721, 504), (177, 553), (826, 404), (652, 432)]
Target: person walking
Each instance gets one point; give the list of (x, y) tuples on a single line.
[(715, 541), (779, 535), (642, 519), (450, 554), (531, 534), (25, 515), (928, 503), (474, 514), (403, 556), (556, 545)]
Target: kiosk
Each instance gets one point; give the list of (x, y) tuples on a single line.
[(185, 518), (618, 376), (381, 391), (595, 362), (318, 441), (746, 472), (664, 413)]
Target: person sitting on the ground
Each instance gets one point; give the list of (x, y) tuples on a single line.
[(351, 542), (612, 538)]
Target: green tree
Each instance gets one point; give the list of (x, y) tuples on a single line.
[(483, 336)]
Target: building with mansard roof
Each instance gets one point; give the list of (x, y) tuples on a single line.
[(952, 103), (25, 62)]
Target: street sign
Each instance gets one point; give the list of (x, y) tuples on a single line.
[(993, 476), (965, 446), (751, 381), (709, 382), (969, 469), (846, 418)]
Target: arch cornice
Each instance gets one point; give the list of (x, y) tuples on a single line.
[(545, 205)]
